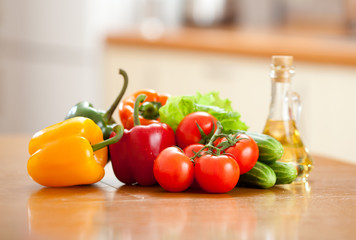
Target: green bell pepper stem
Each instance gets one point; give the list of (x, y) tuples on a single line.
[(108, 114), (140, 98), (119, 130)]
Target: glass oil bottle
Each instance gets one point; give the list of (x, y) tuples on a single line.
[(283, 118)]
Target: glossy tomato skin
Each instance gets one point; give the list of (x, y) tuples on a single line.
[(192, 149), (173, 170), (189, 151), (245, 151), (187, 132), (217, 174)]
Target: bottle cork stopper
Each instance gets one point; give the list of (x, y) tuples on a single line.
[(282, 68), (282, 61)]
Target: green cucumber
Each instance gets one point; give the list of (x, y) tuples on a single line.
[(270, 150), (285, 172), (260, 176)]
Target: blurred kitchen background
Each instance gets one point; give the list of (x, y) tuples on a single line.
[(55, 53)]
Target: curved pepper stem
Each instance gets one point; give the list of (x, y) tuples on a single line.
[(119, 130), (140, 98), (108, 114)]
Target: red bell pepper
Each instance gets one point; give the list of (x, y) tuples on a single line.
[(132, 157)]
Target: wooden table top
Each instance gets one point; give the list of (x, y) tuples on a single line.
[(325, 208)]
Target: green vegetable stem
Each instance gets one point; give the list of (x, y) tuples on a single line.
[(101, 118)]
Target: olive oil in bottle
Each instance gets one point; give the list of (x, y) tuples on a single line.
[(284, 115)]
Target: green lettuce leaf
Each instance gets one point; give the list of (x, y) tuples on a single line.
[(177, 107)]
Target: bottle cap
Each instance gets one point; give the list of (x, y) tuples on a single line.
[(282, 61), (282, 68)]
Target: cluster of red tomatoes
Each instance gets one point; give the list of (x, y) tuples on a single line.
[(214, 167)]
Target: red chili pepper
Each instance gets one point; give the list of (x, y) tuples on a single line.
[(133, 156)]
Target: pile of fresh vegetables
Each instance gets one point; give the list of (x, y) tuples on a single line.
[(179, 142)]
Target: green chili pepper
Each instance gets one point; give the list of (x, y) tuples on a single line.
[(101, 118)]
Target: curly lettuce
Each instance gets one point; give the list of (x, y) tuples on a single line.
[(177, 107)]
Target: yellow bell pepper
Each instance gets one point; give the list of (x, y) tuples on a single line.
[(62, 154)]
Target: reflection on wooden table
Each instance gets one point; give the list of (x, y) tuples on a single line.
[(65, 212), (134, 212)]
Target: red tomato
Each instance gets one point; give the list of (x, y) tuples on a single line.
[(192, 149), (245, 151), (188, 132), (190, 152), (173, 170), (217, 174)]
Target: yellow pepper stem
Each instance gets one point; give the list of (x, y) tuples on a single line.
[(119, 130)]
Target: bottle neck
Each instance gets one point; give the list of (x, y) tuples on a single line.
[(280, 108), (285, 104)]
